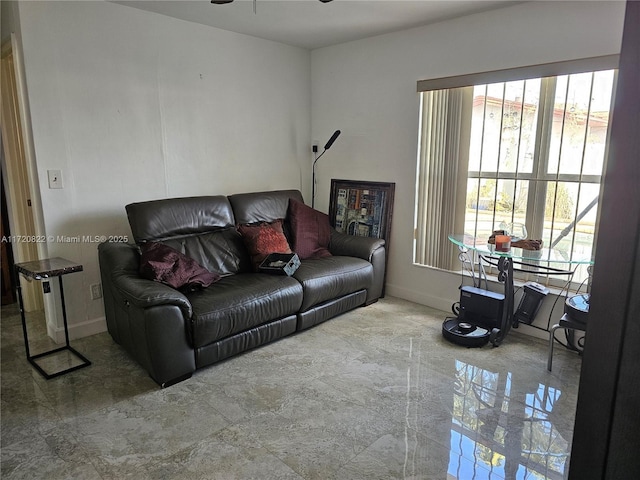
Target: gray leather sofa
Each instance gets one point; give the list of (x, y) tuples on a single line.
[(171, 334)]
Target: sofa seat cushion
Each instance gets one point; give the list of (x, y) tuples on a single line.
[(328, 278), (239, 302)]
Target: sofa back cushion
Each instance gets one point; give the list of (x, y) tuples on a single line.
[(202, 228), (262, 206), (221, 251), (173, 217)]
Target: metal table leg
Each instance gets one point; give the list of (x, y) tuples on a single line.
[(32, 358)]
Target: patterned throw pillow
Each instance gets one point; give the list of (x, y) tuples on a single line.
[(263, 239)]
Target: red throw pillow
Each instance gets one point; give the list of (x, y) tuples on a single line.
[(263, 239), (310, 231), (167, 265)]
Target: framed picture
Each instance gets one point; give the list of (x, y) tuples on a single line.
[(362, 208)]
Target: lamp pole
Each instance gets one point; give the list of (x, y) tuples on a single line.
[(327, 146)]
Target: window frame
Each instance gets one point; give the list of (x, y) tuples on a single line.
[(539, 179)]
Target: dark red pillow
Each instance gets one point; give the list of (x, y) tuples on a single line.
[(167, 265), (310, 231), (263, 239)]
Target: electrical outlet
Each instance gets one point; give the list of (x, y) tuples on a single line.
[(96, 291)]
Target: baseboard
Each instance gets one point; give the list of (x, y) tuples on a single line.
[(445, 305), (78, 330), (532, 332), (422, 298)]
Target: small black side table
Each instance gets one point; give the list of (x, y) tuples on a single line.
[(41, 270)]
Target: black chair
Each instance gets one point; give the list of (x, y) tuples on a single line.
[(566, 322)]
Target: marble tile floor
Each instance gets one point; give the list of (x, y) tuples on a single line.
[(376, 393)]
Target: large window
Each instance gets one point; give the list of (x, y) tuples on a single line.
[(527, 151)]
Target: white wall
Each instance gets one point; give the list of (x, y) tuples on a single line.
[(367, 89), (8, 22), (133, 106)]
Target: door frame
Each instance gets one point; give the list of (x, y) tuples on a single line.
[(22, 189)]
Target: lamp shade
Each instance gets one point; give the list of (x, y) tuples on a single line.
[(335, 135)]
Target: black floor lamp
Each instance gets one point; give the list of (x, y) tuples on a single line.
[(327, 146)]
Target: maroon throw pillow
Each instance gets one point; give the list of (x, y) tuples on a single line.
[(310, 231), (167, 265), (263, 239)]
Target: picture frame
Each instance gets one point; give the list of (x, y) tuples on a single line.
[(362, 208)]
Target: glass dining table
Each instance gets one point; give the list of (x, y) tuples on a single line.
[(478, 255), (546, 261)]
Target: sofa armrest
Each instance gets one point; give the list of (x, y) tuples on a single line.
[(119, 263), (149, 319), (352, 246), (371, 249), (144, 293)]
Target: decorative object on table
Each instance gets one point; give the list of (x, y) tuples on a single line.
[(517, 231), (327, 146), (362, 209), (280, 264), (525, 244), (503, 243)]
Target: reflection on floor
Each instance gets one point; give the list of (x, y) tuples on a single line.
[(375, 393), (510, 433)]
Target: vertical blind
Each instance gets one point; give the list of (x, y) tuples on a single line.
[(437, 174)]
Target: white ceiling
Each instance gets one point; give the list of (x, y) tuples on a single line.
[(312, 24)]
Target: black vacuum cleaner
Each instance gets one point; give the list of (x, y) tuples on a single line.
[(484, 316), (479, 314)]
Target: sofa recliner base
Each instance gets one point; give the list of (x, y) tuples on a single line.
[(330, 309), (247, 340), (179, 379)]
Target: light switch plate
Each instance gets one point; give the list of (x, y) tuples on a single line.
[(55, 178)]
